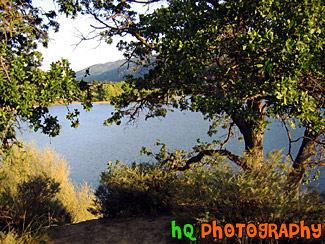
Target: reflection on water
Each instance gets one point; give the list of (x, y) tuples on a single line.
[(89, 147)]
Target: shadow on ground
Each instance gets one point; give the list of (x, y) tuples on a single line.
[(133, 230)]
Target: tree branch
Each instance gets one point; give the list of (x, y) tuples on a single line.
[(289, 138), (136, 34), (129, 28), (144, 2), (231, 156), (232, 125)]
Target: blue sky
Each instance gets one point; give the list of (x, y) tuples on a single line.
[(62, 44), (87, 53)]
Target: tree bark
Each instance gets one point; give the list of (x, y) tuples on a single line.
[(253, 142), (233, 157), (253, 135), (302, 160)]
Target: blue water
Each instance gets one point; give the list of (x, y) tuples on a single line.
[(91, 146)]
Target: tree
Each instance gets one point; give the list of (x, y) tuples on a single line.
[(237, 62), (27, 91)]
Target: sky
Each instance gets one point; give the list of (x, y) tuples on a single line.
[(63, 43)]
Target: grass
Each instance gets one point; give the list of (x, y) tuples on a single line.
[(36, 193)]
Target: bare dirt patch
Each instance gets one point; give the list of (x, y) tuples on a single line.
[(132, 230)]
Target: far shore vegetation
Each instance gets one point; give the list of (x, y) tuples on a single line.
[(100, 92), (104, 91)]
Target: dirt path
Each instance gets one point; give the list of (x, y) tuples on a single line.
[(135, 230)]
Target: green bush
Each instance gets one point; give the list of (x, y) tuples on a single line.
[(36, 193), (131, 190), (210, 191), (207, 193)]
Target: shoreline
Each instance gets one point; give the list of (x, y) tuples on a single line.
[(97, 102)]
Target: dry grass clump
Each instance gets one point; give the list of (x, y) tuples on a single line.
[(36, 193)]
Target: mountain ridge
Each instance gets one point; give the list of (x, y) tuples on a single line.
[(111, 71)]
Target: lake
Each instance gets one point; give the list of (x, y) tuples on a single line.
[(91, 146)]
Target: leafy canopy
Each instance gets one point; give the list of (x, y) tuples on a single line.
[(27, 91), (237, 62), (220, 57)]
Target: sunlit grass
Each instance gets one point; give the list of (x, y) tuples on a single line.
[(48, 173)]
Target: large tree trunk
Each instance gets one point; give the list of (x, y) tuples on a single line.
[(253, 134), (253, 144), (302, 160)]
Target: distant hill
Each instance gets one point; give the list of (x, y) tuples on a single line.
[(111, 71)]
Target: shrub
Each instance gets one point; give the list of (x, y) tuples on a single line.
[(206, 193), (36, 192), (209, 191), (12, 237), (33, 205), (131, 190)]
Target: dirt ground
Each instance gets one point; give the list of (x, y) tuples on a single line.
[(133, 230)]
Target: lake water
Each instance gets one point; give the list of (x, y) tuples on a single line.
[(89, 147)]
